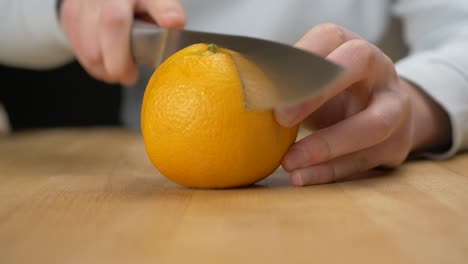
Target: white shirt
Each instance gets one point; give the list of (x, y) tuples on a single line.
[(436, 32)]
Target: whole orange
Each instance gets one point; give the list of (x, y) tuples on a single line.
[(196, 130)]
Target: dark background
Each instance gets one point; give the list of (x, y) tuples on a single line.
[(62, 97)]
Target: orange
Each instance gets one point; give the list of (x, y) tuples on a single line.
[(196, 130)]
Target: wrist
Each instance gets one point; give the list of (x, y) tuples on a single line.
[(431, 129)]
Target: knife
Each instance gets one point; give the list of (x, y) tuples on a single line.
[(285, 75)]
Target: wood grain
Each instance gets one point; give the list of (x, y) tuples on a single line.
[(92, 196)]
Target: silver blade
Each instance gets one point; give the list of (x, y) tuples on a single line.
[(287, 75)]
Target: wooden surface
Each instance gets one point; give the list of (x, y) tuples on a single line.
[(91, 196)]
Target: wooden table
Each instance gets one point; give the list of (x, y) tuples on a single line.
[(91, 196)]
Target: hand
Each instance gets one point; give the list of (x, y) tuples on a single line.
[(370, 118), (99, 32)]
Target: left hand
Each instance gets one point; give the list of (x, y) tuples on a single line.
[(370, 118)]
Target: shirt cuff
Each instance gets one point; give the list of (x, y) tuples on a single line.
[(448, 87)]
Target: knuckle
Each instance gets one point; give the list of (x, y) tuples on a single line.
[(115, 16), (387, 66), (92, 57), (324, 148), (389, 119), (399, 149), (318, 149), (332, 30), (403, 94), (363, 50), (381, 124)]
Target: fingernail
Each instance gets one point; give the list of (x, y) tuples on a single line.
[(287, 115), (297, 179)]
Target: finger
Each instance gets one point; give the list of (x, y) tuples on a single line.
[(340, 168), (115, 23), (353, 165), (89, 54), (78, 20), (360, 61), (325, 38), (378, 122), (167, 13)]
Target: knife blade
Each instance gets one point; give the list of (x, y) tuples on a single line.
[(285, 75)]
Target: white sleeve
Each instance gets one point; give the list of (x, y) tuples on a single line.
[(31, 36), (436, 32)]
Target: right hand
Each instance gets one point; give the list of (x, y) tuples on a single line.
[(99, 33)]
